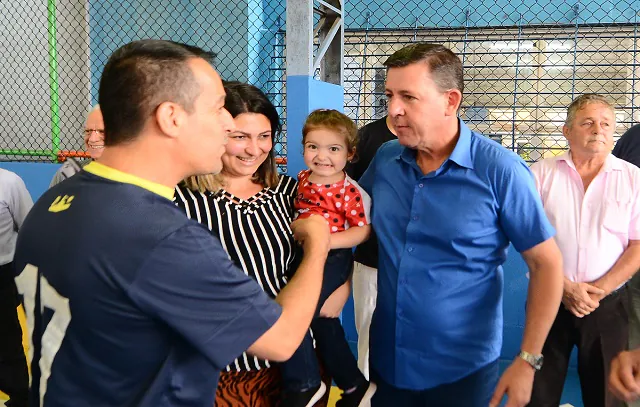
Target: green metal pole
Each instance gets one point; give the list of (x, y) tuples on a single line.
[(53, 79), (30, 153)]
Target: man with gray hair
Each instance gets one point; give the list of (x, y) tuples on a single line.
[(592, 199), (93, 143)]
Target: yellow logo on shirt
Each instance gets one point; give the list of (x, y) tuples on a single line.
[(62, 203)]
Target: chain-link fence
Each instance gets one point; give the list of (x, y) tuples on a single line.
[(524, 61), (53, 52)]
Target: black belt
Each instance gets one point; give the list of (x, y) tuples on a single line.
[(615, 294)]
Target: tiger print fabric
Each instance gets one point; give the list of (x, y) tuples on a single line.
[(255, 388)]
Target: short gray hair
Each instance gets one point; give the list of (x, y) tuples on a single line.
[(581, 101)]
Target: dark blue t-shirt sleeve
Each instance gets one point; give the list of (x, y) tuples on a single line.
[(522, 216), (189, 283)]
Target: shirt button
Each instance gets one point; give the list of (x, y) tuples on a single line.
[(416, 217), (410, 249), (420, 185)]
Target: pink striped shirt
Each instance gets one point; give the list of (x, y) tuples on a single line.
[(593, 228)]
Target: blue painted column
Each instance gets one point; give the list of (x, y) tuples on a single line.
[(305, 94)]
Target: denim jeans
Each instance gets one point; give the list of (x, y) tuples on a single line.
[(302, 371), (474, 390)]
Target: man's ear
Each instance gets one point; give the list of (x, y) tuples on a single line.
[(170, 118), (454, 98), (565, 131)]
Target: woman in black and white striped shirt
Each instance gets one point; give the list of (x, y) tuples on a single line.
[(249, 206)]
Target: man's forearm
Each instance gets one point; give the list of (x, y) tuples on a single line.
[(622, 270), (544, 297), (299, 298)]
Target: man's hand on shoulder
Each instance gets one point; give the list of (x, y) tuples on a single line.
[(312, 232)]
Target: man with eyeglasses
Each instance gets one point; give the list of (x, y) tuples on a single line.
[(93, 142)]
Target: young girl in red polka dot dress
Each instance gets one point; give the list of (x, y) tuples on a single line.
[(329, 139)]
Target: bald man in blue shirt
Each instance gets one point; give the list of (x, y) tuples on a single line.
[(446, 204)]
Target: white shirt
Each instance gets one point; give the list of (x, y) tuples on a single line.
[(593, 227), (15, 203)]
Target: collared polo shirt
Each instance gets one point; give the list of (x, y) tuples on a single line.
[(594, 226), (443, 237)]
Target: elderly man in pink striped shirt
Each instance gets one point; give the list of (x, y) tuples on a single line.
[(591, 198)]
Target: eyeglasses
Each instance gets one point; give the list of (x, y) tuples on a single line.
[(89, 132)]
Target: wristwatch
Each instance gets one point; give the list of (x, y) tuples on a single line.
[(534, 360)]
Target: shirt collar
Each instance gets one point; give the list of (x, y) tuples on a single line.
[(611, 163), (461, 154), (112, 174)]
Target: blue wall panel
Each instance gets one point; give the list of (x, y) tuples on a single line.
[(36, 176), (305, 94), (221, 27), (114, 23)]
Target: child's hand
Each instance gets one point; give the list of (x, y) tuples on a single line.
[(332, 307)]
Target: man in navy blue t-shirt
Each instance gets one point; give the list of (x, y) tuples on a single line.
[(128, 302)]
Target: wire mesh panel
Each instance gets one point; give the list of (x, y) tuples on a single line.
[(53, 52), (523, 62), (44, 80)]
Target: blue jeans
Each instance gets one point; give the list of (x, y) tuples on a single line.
[(302, 371), (474, 390)]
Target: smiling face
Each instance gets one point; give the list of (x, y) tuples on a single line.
[(248, 146), (326, 155), (590, 132), (94, 133)]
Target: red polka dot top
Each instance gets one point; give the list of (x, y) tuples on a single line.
[(343, 204)]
